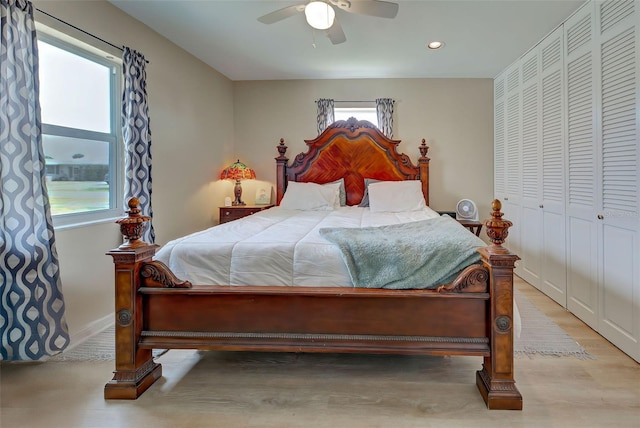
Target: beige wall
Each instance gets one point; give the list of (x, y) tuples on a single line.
[(191, 109), (455, 116), (201, 121)]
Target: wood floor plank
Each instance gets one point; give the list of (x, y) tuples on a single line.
[(213, 389)]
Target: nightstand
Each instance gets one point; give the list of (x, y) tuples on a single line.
[(472, 225), (238, 211)]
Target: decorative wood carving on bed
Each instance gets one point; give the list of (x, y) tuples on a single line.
[(472, 316), (353, 150)]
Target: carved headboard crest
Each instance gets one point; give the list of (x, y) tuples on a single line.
[(352, 124)]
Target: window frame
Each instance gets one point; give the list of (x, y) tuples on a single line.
[(113, 138)]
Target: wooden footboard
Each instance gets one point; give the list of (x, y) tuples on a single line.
[(471, 316)]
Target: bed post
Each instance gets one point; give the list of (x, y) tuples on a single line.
[(496, 381), (423, 164), (281, 171), (135, 369)]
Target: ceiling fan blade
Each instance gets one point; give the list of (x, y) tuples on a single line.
[(335, 33), (281, 14), (381, 9)]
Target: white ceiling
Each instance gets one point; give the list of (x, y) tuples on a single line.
[(482, 37)]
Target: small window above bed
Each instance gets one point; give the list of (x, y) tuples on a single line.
[(360, 113)]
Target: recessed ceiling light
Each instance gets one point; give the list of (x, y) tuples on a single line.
[(435, 45)]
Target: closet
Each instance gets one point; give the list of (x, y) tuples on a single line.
[(576, 166), (509, 183)]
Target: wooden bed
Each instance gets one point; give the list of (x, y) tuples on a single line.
[(471, 316)]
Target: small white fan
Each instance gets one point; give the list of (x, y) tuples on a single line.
[(466, 210)]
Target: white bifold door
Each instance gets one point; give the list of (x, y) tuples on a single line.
[(543, 172), (603, 276)]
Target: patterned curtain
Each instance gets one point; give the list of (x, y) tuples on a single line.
[(32, 322), (384, 109), (137, 135), (325, 114)]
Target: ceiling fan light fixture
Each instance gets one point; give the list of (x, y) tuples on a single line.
[(320, 15)]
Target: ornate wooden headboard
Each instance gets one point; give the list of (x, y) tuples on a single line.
[(353, 150)]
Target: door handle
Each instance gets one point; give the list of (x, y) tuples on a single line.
[(600, 217)]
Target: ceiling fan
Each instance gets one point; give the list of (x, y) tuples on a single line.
[(321, 15)]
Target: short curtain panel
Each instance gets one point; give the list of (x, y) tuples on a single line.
[(384, 110), (325, 114)]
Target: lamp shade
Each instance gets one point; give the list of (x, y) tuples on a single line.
[(237, 171), (320, 15)]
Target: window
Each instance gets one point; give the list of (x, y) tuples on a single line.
[(360, 113), (79, 99)]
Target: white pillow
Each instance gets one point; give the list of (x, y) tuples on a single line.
[(337, 186), (311, 196), (342, 195), (396, 196)]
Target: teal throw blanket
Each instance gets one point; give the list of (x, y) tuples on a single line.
[(417, 255)]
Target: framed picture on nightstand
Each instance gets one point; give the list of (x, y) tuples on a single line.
[(263, 196)]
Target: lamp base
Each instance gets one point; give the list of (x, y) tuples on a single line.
[(237, 192)]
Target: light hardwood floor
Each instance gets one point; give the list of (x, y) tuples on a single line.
[(211, 389)]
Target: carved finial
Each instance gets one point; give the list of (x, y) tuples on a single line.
[(134, 206), (282, 149), (497, 228), (133, 225), (423, 149)]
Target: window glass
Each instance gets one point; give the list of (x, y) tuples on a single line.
[(74, 91), (77, 174), (360, 113), (79, 93)]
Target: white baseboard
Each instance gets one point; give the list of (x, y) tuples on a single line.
[(91, 330)]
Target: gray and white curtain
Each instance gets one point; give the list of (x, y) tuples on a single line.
[(137, 135), (325, 114), (384, 110), (32, 321)]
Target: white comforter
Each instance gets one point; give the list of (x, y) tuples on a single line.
[(274, 247), (277, 247)]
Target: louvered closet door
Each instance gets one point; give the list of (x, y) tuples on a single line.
[(499, 160), (531, 231), (583, 199), (552, 140), (619, 297), (511, 200)]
